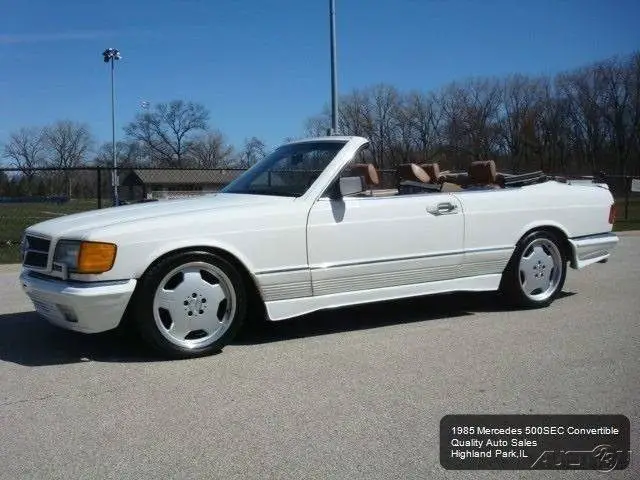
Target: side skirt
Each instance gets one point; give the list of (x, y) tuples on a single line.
[(284, 309)]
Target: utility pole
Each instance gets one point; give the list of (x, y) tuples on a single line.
[(334, 70)]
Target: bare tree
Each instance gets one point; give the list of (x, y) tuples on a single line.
[(579, 121), (522, 103), (210, 150), (385, 102), (426, 117), (166, 131), (583, 89), (252, 152), (68, 145), (318, 125), (355, 115), (128, 154), (633, 67), (616, 109), (26, 151)]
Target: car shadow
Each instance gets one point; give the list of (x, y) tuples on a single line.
[(376, 315), (28, 340)]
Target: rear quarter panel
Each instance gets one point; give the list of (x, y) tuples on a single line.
[(499, 218)]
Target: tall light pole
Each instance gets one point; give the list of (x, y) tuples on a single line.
[(334, 71), (111, 55)]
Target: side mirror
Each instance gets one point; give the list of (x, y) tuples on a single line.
[(346, 186)]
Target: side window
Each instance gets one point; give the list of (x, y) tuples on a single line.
[(363, 165), (362, 157)]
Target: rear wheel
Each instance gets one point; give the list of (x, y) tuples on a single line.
[(190, 304), (536, 272)]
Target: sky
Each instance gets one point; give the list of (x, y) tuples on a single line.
[(262, 67)]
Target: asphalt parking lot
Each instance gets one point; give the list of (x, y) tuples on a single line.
[(353, 393)]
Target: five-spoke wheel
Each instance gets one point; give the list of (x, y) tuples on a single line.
[(190, 304), (536, 271)]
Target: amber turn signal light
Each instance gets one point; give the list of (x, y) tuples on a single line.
[(96, 257)]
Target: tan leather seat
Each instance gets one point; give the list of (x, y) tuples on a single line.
[(412, 172), (482, 174), (433, 170), (368, 172)]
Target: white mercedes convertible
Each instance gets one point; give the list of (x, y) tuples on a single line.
[(308, 228)]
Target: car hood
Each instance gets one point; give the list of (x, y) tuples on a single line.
[(79, 224)]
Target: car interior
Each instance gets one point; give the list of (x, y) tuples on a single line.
[(412, 178)]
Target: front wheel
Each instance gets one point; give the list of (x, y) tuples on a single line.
[(536, 272), (190, 304)]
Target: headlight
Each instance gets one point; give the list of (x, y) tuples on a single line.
[(85, 257)]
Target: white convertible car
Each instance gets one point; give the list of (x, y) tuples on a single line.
[(309, 228)]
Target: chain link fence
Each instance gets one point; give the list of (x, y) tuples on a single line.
[(29, 197)]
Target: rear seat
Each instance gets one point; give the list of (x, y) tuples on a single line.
[(412, 178), (412, 172), (482, 174), (448, 182)]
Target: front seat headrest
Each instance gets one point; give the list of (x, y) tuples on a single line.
[(482, 172), (412, 172), (368, 171)]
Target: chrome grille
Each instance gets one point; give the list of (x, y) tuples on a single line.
[(36, 251)]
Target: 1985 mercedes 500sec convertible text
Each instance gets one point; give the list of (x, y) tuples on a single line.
[(309, 228)]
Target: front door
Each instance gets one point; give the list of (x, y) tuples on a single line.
[(373, 242)]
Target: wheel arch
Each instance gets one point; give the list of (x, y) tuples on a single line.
[(556, 230), (253, 288)]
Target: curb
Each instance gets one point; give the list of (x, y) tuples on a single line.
[(10, 267)]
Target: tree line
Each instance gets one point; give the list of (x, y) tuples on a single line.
[(174, 134), (577, 122)]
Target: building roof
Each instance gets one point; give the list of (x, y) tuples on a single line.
[(172, 176)]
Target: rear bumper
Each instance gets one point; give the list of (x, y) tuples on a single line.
[(592, 249), (87, 308)]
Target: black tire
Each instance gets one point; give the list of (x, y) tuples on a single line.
[(511, 285), (143, 308)]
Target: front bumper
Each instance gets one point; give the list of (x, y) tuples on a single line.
[(84, 307), (592, 249)]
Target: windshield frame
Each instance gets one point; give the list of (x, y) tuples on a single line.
[(242, 184)]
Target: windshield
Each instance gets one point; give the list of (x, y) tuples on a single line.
[(289, 171)]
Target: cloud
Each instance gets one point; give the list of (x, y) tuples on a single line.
[(10, 38)]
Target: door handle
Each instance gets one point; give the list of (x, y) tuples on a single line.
[(445, 208)]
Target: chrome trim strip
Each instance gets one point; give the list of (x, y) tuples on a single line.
[(489, 249), (281, 270), (386, 260), (594, 254), (596, 236), (74, 283), (285, 291), (412, 257)]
